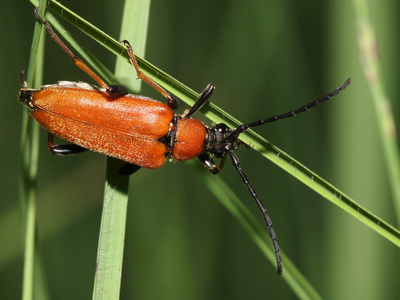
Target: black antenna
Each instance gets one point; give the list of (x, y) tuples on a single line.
[(292, 113), (236, 164)]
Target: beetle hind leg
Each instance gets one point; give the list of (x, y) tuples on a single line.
[(171, 101), (112, 90)]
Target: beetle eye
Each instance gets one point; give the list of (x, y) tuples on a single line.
[(221, 128)]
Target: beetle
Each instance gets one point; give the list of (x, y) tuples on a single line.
[(139, 130)]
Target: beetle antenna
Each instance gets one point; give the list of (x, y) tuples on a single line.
[(292, 113), (21, 79), (236, 164)]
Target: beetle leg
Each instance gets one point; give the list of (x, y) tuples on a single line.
[(63, 150), (172, 102), (128, 169), (209, 163), (114, 90), (204, 97)]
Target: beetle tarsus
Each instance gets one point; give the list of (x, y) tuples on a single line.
[(116, 90)]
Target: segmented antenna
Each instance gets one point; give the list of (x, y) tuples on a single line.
[(236, 164), (292, 113)]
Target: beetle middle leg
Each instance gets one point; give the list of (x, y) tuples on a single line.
[(63, 150), (71, 149)]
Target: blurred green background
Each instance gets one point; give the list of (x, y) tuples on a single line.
[(265, 57)]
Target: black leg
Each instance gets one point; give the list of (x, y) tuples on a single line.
[(67, 149), (63, 150), (205, 95), (128, 169)]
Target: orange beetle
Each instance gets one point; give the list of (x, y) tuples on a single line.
[(89, 117), (136, 129)]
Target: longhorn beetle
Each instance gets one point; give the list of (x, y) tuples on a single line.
[(136, 129)]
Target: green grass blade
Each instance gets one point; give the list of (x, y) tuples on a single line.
[(373, 72), (28, 173), (112, 233), (107, 283)]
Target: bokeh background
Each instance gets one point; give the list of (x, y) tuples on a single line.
[(265, 57)]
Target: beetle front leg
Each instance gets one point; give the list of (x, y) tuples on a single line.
[(63, 150), (209, 163)]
